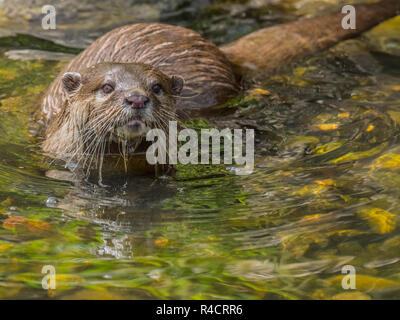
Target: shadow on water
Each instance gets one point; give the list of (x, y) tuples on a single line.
[(324, 192)]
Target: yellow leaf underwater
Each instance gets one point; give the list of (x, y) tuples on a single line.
[(309, 190), (351, 296), (327, 147), (259, 92), (345, 233), (389, 161), (11, 104), (9, 74), (327, 126), (326, 182), (67, 281), (312, 217), (343, 115), (300, 71), (161, 242), (381, 221), (65, 278), (388, 28), (366, 283), (370, 128), (360, 155), (5, 247), (14, 223)]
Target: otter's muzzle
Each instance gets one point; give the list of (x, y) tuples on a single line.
[(136, 101)]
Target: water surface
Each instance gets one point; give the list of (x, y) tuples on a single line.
[(324, 192)]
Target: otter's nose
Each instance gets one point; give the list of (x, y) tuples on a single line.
[(136, 101)]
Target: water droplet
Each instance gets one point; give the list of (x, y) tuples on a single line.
[(51, 202), (70, 165)]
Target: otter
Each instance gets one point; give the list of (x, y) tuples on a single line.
[(106, 97), (108, 109)]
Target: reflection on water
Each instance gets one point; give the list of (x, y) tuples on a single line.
[(324, 193)]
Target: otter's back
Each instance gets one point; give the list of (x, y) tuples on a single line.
[(208, 75)]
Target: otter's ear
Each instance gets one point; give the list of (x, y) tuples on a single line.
[(71, 82), (176, 85)]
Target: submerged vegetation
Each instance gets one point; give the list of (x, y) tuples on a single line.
[(324, 192)]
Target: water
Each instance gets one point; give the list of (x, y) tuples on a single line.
[(324, 192)]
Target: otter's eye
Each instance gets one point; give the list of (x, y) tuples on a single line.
[(107, 88), (156, 88)]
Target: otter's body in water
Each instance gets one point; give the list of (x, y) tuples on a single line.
[(87, 123), (209, 77)]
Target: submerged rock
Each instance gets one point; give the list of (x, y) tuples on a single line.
[(28, 54)]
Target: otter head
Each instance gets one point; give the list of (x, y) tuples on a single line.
[(127, 99), (111, 106)]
